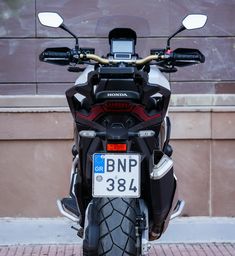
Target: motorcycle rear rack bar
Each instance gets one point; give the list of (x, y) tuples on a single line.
[(178, 210)]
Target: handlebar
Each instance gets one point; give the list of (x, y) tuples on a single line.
[(53, 55), (113, 61), (66, 56)]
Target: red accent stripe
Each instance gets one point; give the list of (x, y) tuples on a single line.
[(95, 112), (98, 110), (139, 111)]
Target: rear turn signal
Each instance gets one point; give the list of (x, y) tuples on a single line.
[(116, 147)]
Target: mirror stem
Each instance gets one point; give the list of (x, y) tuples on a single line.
[(182, 28), (72, 34)]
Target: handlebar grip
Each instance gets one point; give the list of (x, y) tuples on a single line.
[(196, 57), (54, 55)]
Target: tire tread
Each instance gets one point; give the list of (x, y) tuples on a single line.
[(117, 218)]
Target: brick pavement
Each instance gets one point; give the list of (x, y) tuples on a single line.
[(212, 249)]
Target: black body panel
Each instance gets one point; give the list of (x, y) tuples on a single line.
[(102, 104)]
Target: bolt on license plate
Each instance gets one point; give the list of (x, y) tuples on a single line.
[(116, 175)]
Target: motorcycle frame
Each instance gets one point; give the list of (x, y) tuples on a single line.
[(86, 88)]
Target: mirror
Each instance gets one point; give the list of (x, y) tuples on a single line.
[(50, 19), (194, 21)]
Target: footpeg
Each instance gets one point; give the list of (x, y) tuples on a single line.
[(178, 209), (70, 205), (80, 231), (68, 208)]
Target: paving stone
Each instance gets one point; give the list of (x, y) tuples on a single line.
[(212, 249)]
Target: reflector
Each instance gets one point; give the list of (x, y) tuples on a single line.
[(116, 147)]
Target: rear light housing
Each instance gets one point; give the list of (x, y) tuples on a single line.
[(118, 107)]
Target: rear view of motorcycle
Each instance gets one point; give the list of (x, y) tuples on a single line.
[(123, 189)]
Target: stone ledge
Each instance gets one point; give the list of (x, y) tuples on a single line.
[(36, 126), (48, 124), (33, 101), (197, 100), (190, 102), (172, 109), (34, 110), (48, 117)]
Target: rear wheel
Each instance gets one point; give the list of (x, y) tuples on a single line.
[(117, 222), (111, 228)]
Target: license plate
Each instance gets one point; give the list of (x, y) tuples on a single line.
[(116, 175)]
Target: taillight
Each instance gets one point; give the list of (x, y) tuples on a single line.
[(120, 147), (117, 106)]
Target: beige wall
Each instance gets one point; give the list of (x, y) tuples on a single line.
[(35, 160)]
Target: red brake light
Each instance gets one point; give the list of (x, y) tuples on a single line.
[(118, 106), (116, 147)]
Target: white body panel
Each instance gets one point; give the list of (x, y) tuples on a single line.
[(83, 77), (156, 77)]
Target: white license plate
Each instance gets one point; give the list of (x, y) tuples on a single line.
[(116, 175)]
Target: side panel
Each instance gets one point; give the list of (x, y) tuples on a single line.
[(156, 77), (83, 77)]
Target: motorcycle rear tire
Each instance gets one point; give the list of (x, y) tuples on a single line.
[(117, 223)]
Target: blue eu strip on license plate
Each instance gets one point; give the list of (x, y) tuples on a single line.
[(98, 163), (116, 175)]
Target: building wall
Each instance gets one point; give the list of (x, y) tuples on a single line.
[(35, 160), (35, 139), (22, 38)]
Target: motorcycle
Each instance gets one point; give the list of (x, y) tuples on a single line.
[(123, 189)]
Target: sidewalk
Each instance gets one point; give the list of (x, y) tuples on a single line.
[(188, 230), (191, 236), (158, 250)]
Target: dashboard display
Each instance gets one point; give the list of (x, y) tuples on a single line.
[(122, 46)]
